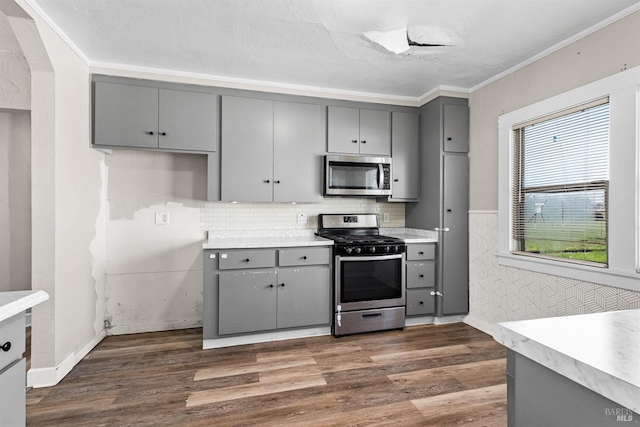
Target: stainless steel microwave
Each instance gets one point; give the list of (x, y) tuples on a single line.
[(357, 175)]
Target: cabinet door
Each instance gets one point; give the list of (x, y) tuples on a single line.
[(375, 132), (455, 252), (247, 150), (343, 130), (405, 150), (12, 394), (125, 115), (247, 301), (304, 297), (298, 152), (187, 120), (421, 274), (420, 302), (456, 128)]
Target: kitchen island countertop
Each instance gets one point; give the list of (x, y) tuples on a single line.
[(14, 302), (600, 351)]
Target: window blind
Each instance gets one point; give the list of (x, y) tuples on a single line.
[(560, 184)]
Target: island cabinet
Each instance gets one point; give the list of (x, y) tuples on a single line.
[(444, 198), (126, 115), (12, 371), (358, 131), (421, 279), (405, 151), (247, 291), (272, 151)]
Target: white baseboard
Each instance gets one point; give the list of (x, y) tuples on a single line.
[(47, 377), (485, 327), (154, 327), (422, 320), (448, 319), (265, 337)]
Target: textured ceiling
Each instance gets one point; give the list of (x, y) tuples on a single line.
[(320, 43)]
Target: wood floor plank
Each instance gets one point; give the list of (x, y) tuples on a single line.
[(382, 378)]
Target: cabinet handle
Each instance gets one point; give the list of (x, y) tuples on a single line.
[(449, 139), (304, 257), (363, 141), (246, 260), (355, 141), (420, 253), (266, 181), (448, 210), (150, 133), (163, 133), (277, 182), (282, 284), (421, 302), (396, 180), (421, 276), (271, 285), (6, 346)]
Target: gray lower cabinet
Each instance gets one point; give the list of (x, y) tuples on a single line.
[(250, 291), (358, 131), (12, 371), (444, 198), (405, 151), (126, 115), (271, 151), (421, 278)]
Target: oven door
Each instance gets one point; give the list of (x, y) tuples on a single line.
[(365, 282)]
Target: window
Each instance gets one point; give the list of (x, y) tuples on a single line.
[(560, 185)]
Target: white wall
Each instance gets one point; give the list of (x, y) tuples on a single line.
[(15, 201), (499, 293), (68, 205)]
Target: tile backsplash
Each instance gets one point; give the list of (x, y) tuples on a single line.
[(283, 216)]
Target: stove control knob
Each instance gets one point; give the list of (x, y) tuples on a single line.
[(358, 250), (372, 249), (387, 249), (394, 249), (348, 250)]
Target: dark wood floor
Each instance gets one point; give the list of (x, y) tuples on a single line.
[(432, 375)]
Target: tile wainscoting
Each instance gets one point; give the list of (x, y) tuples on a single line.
[(282, 216), (498, 293)]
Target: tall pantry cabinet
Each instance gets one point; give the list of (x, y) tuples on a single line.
[(444, 198)]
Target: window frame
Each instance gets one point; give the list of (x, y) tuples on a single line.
[(623, 271)]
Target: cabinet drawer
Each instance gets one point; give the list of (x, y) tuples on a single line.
[(421, 274), (12, 337), (304, 256), (12, 394), (247, 259), (420, 301), (421, 251)]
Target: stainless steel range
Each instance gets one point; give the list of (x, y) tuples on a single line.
[(369, 274)]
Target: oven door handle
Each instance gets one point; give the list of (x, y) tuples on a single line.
[(369, 258)]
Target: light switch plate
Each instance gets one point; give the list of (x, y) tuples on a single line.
[(385, 217), (162, 218), (302, 218)]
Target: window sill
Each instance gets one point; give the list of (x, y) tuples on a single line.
[(623, 279)]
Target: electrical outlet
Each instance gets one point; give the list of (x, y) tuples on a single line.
[(385, 217), (162, 218), (302, 218)]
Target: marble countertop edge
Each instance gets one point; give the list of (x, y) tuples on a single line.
[(597, 380), (15, 302)]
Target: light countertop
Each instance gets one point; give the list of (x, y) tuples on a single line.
[(12, 303), (600, 351), (264, 239), (293, 238)]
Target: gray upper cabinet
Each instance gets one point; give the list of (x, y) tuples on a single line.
[(187, 120), (359, 131), (271, 151), (247, 149), (456, 128), (125, 115), (147, 117), (405, 150)]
